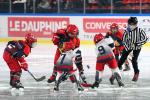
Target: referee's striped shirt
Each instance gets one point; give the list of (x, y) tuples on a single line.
[(134, 39)]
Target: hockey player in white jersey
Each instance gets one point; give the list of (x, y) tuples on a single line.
[(64, 66), (105, 55)]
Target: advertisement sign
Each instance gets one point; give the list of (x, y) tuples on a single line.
[(44, 26), (40, 26), (102, 25), (3, 27), (144, 23)]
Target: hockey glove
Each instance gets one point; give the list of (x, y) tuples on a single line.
[(24, 66)]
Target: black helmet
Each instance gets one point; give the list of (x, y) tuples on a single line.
[(132, 20)]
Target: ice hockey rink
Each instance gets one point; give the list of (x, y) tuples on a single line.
[(41, 63)]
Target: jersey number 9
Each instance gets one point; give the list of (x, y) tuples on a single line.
[(101, 50)]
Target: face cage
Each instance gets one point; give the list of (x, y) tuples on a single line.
[(114, 30), (72, 36)]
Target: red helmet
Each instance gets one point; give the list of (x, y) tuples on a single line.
[(114, 28), (114, 25), (98, 37), (72, 30), (31, 40)]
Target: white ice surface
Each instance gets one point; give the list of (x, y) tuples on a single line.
[(41, 63)]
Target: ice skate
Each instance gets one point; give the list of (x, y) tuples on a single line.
[(127, 67), (52, 79), (111, 79), (96, 83), (56, 88), (118, 78), (17, 85), (136, 76), (80, 88)]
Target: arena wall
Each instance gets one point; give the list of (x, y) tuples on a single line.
[(16, 26)]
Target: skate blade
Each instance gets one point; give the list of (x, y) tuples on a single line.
[(90, 90), (55, 90)]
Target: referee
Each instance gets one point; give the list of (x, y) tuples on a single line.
[(133, 39)]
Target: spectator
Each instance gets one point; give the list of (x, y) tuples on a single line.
[(69, 4), (19, 6), (105, 2), (44, 4), (53, 4), (93, 4), (4, 6)]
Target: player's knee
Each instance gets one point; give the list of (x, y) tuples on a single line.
[(78, 58), (117, 75), (18, 73), (115, 70)]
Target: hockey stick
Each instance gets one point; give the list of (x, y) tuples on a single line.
[(84, 83), (37, 79)]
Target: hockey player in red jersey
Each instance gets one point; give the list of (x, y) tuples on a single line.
[(14, 55), (105, 55), (116, 35), (63, 38)]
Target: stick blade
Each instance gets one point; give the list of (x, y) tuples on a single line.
[(86, 84), (41, 78)]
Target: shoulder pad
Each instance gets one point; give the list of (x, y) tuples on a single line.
[(12, 42)]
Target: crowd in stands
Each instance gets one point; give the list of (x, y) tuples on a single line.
[(120, 5), (74, 6)]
